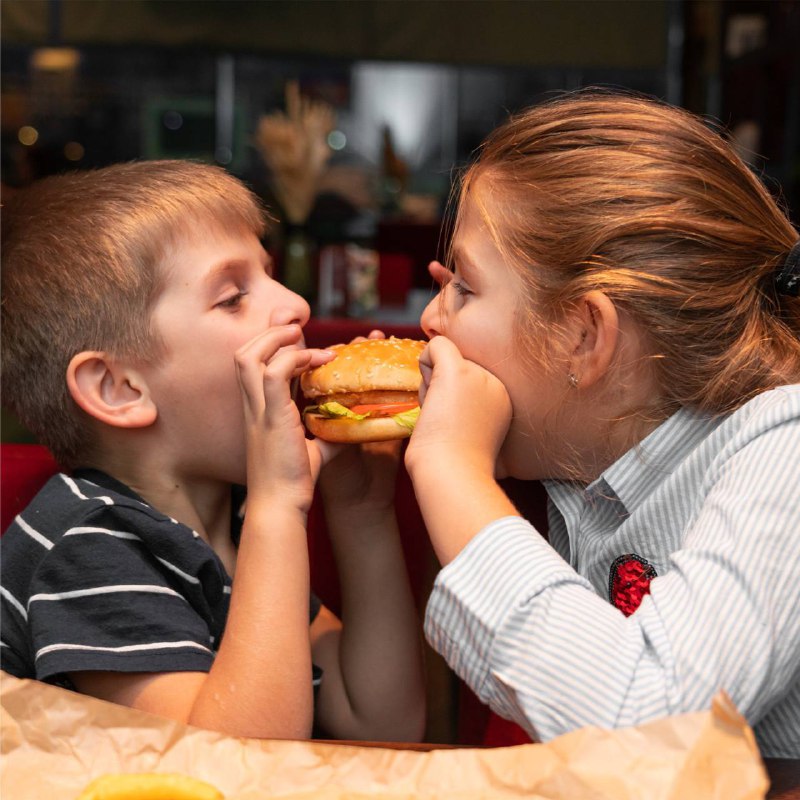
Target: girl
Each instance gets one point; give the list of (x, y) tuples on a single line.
[(620, 320)]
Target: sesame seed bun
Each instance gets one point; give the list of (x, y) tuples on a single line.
[(373, 373)]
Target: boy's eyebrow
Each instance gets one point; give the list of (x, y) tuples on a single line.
[(218, 270), (230, 265)]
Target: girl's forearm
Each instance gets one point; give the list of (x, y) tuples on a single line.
[(457, 501)]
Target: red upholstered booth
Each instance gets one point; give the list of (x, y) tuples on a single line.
[(24, 469)]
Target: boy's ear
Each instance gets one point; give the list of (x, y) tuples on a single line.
[(594, 337), (110, 390)]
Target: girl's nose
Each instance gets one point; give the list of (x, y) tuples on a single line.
[(431, 319)]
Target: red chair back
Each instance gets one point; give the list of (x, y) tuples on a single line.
[(24, 469)]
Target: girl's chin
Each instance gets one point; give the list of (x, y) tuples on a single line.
[(519, 466)]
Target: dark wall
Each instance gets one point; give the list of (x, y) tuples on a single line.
[(611, 33)]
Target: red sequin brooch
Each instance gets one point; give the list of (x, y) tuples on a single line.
[(629, 581)]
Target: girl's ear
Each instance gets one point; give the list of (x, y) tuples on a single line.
[(110, 390), (595, 336)]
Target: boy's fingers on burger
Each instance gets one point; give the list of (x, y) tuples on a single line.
[(262, 347), (250, 358), (286, 365), (318, 357)]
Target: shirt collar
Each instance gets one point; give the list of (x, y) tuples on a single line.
[(106, 481), (635, 475)]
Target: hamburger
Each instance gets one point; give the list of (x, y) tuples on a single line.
[(368, 393)]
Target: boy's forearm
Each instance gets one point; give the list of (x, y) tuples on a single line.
[(380, 652), (260, 684)]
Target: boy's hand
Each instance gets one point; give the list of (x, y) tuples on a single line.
[(465, 412), (280, 462), (361, 478)]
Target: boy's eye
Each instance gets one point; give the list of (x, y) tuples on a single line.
[(231, 302)]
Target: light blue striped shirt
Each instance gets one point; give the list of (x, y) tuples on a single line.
[(714, 507)]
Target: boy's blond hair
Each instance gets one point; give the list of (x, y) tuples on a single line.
[(81, 259)]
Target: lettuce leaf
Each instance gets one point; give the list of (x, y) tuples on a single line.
[(408, 419), (335, 410)]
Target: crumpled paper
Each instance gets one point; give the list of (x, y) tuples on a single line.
[(55, 741)]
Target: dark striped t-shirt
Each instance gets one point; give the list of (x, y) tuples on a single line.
[(94, 578)]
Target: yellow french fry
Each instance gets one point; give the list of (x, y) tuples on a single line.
[(149, 786)]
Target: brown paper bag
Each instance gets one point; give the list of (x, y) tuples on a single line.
[(55, 741)]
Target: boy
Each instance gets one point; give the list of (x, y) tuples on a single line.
[(147, 345)]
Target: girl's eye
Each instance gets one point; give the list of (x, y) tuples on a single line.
[(460, 288), (231, 302)]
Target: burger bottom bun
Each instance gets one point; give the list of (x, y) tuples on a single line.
[(353, 431)]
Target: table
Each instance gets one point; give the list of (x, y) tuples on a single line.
[(784, 773)]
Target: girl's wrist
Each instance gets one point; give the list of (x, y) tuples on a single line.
[(450, 467)]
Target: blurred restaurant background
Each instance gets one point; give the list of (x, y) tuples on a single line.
[(400, 93), (382, 101)]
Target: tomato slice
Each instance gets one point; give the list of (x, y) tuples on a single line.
[(383, 409)]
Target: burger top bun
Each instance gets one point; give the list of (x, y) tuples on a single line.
[(372, 365)]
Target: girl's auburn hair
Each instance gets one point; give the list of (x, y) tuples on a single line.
[(83, 257), (653, 206)]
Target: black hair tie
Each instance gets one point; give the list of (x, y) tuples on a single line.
[(787, 279)]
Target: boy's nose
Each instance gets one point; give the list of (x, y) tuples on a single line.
[(293, 311)]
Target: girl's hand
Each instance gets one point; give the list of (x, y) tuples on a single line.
[(280, 461), (465, 413)]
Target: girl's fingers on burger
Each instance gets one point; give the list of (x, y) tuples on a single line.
[(440, 351), (436, 353), (446, 373), (423, 387), (426, 370), (374, 334)]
